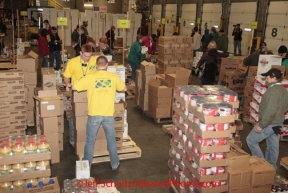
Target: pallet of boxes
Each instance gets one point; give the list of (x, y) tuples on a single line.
[(13, 105), (29, 65), (25, 163), (49, 113), (174, 51), (127, 149)]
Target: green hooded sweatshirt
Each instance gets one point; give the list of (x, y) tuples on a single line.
[(222, 43), (135, 54), (273, 105)]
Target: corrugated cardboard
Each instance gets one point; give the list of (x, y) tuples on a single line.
[(262, 172), (159, 102), (261, 189), (25, 158), (237, 158), (80, 109), (12, 133), (147, 68), (252, 71), (147, 78), (28, 63), (233, 79), (160, 88), (239, 177), (60, 124), (12, 84), (13, 125), (50, 106), (47, 93), (79, 97), (138, 79), (12, 106), (11, 74), (166, 40), (53, 139), (61, 141), (49, 124), (13, 95), (80, 135), (177, 75), (55, 155), (166, 49), (265, 62), (30, 78), (30, 104), (48, 79), (243, 189), (12, 115), (30, 92), (119, 114), (100, 147), (241, 66), (51, 188), (159, 112)]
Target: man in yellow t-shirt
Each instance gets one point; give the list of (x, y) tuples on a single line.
[(101, 89), (77, 68)]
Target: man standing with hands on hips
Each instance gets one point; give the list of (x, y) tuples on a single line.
[(76, 69), (237, 33), (273, 105), (101, 89)]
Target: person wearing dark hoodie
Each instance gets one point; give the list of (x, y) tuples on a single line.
[(210, 69), (272, 108), (222, 42), (213, 34), (205, 40)]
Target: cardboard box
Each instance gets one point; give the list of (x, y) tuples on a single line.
[(100, 147), (265, 63), (246, 189), (119, 114), (239, 177), (61, 141), (50, 106), (252, 72), (159, 102), (12, 133), (30, 104), (125, 132), (13, 95), (49, 125), (248, 90), (12, 84), (138, 79), (25, 158), (11, 74), (53, 139), (55, 155), (28, 63), (79, 97), (120, 70), (177, 76), (261, 189), (60, 123), (82, 169), (147, 78), (80, 109), (80, 122), (166, 49), (166, 40), (262, 172), (47, 93), (13, 125), (80, 135), (48, 79), (52, 188), (241, 66), (237, 158), (30, 92), (12, 115), (233, 79), (13, 106), (147, 68), (30, 78), (161, 112), (160, 88)]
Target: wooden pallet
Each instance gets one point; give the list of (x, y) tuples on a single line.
[(284, 162), (130, 93), (129, 151), (161, 120), (167, 129)]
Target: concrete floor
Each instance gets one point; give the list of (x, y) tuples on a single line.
[(151, 167)]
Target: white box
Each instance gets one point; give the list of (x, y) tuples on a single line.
[(266, 61), (119, 96), (119, 70), (125, 132), (82, 169)]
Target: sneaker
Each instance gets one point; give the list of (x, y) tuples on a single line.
[(72, 143), (116, 167)]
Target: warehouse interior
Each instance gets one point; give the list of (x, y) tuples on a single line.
[(144, 174)]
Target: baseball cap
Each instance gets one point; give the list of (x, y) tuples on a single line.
[(273, 72)]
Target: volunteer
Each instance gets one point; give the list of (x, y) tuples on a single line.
[(54, 42), (77, 68), (101, 90), (272, 107)]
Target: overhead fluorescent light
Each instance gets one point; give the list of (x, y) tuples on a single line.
[(247, 29), (216, 26), (40, 9), (158, 20), (88, 5), (191, 23)]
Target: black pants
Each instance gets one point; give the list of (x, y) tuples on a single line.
[(206, 81), (112, 45)]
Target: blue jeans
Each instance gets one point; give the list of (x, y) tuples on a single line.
[(71, 127), (44, 61), (56, 55), (272, 141), (93, 124), (134, 68), (237, 43)]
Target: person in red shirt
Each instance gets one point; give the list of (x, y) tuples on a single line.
[(150, 43), (43, 48)]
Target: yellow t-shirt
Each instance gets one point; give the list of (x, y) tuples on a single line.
[(101, 89), (75, 70)]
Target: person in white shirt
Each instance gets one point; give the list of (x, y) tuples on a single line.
[(196, 41)]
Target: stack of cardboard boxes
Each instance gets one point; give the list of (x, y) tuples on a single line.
[(174, 51), (177, 76), (49, 112), (12, 104), (138, 86), (29, 65), (148, 72)]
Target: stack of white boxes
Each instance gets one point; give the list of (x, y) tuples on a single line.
[(196, 59), (49, 113), (29, 65), (12, 104)]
